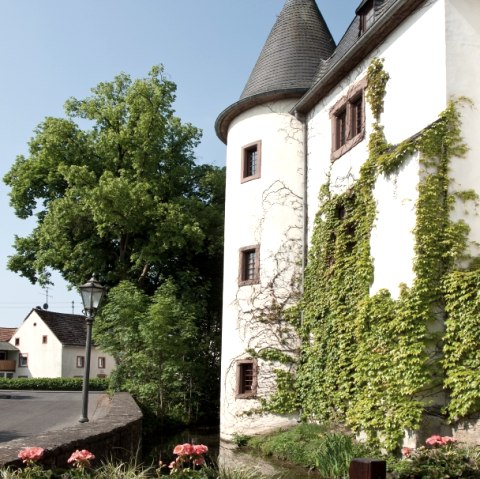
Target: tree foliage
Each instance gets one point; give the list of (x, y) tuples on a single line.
[(166, 353), (124, 198)]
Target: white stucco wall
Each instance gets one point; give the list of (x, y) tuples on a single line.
[(463, 74), (44, 360), (392, 242), (69, 362), (414, 57), (266, 211), (415, 60), (432, 57), (53, 359)]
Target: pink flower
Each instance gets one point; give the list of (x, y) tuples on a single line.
[(31, 454), (200, 449), (188, 455), (406, 451), (448, 439), (81, 458), (434, 440), (184, 449)]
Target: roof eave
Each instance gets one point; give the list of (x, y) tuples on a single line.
[(389, 21), (225, 118), (6, 346)]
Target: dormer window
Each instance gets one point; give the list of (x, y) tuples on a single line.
[(366, 12)]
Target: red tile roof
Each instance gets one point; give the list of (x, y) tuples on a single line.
[(6, 333)]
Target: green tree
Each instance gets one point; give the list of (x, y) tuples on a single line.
[(165, 357), (123, 197)]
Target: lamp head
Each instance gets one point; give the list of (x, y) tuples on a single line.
[(92, 293)]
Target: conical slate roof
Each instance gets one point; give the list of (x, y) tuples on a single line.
[(298, 42), (286, 67)]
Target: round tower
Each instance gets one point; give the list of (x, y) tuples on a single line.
[(265, 215)]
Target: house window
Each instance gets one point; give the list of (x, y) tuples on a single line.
[(356, 107), (3, 355), (80, 361), (17, 341), (23, 360), (44, 339), (246, 378), (101, 362), (348, 121), (366, 12), (251, 156), (249, 265), (341, 128)]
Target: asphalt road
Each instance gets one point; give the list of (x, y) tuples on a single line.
[(26, 413)]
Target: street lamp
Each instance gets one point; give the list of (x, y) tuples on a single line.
[(92, 293)]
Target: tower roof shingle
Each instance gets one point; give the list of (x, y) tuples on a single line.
[(298, 42), (288, 62)]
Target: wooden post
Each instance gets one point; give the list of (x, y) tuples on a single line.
[(367, 469)]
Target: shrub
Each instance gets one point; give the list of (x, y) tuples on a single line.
[(53, 384), (440, 458), (240, 439)]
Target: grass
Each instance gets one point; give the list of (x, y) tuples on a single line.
[(314, 447), (133, 471), (245, 474)]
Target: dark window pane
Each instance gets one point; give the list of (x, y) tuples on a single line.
[(251, 161), (249, 265), (357, 116), (246, 378), (341, 125)]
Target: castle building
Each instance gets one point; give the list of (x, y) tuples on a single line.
[(304, 121)]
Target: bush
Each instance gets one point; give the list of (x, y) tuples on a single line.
[(441, 458), (53, 384)]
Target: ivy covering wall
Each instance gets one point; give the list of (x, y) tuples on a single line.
[(372, 361)]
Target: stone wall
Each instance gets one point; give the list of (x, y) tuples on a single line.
[(115, 436)]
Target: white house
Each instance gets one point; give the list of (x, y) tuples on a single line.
[(8, 353), (52, 345), (303, 123)]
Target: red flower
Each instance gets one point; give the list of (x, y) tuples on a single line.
[(31, 454)]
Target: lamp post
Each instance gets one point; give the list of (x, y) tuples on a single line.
[(92, 293)]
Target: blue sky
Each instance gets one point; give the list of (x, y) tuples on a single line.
[(51, 50)]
